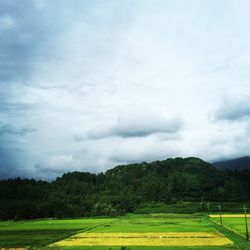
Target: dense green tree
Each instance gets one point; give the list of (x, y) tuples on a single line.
[(122, 189)]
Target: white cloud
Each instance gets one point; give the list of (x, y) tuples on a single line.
[(56, 165), (137, 123), (7, 22), (62, 161), (39, 4)]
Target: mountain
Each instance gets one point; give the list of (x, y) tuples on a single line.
[(122, 189), (234, 164)]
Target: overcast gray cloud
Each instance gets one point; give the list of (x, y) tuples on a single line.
[(233, 110), (88, 84), (9, 129), (134, 124)]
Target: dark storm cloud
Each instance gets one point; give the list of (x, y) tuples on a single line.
[(10, 155), (25, 32), (13, 107), (8, 163), (15, 50), (233, 110), (12, 130)]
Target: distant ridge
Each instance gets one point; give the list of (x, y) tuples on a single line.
[(234, 164)]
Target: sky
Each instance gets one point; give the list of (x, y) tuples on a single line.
[(86, 85)]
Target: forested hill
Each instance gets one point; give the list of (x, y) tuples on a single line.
[(122, 189)]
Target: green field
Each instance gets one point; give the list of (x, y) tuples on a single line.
[(234, 222), (37, 233), (71, 233)]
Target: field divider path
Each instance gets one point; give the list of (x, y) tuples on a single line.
[(95, 226)]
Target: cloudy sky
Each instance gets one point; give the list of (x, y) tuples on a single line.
[(87, 85)]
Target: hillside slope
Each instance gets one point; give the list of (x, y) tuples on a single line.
[(122, 189)]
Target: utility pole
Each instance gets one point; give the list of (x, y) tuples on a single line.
[(201, 203), (245, 212), (220, 213), (208, 209)]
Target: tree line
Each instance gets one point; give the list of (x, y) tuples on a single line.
[(122, 189)]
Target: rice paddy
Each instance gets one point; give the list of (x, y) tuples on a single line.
[(155, 230), (234, 222), (136, 232), (145, 239), (227, 216)]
